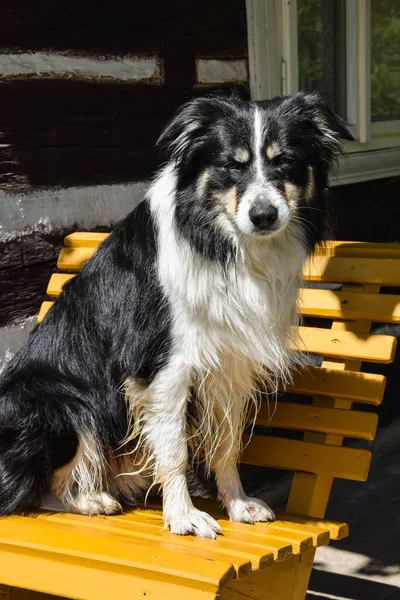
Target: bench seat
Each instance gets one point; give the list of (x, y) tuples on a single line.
[(93, 557), (132, 556)]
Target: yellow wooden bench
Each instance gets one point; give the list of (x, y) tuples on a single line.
[(131, 556)]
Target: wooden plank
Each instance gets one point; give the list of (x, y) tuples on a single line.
[(319, 536), (361, 387), (98, 142), (73, 259), (44, 308), (208, 28), (370, 348), (331, 248), (288, 415), (140, 558), (23, 567), (244, 556), (280, 453), (56, 283), (86, 239), (359, 249), (382, 308), (347, 345), (317, 303), (337, 529), (277, 544), (382, 271), (94, 144)]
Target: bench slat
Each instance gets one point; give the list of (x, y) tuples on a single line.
[(304, 525), (354, 424), (141, 558), (350, 385), (382, 271), (330, 248), (290, 533), (347, 345), (56, 283), (324, 342), (87, 580), (80, 239), (44, 308), (273, 540), (244, 556), (359, 249), (293, 455), (383, 308), (337, 529), (320, 303), (73, 258)]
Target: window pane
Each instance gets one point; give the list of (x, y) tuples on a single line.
[(385, 59), (321, 49)]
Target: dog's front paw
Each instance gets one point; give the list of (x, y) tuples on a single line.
[(249, 510), (194, 522)]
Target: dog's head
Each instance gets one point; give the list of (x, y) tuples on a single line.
[(254, 167)]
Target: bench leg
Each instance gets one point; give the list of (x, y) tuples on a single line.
[(285, 580)]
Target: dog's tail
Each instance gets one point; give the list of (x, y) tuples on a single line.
[(39, 432)]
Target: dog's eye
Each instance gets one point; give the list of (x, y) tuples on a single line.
[(233, 165), (282, 161)]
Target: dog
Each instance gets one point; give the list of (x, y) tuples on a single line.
[(147, 361)]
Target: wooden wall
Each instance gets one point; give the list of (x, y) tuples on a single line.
[(85, 88), (88, 130)]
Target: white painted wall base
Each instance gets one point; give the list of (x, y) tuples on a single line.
[(80, 207), (12, 337)]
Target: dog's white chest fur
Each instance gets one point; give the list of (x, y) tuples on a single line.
[(241, 312), (228, 324)]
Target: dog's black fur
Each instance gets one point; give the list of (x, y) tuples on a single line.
[(114, 320)]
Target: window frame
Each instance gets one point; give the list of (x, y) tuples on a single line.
[(273, 70)]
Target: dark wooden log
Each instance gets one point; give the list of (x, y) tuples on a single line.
[(63, 133), (213, 28), (25, 267)]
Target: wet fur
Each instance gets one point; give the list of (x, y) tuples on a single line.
[(149, 355)]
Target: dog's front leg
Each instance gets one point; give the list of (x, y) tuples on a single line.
[(240, 507), (165, 430)]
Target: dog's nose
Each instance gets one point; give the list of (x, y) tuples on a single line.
[(263, 216)]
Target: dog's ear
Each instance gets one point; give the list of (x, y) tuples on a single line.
[(321, 128), (186, 131), (330, 125)]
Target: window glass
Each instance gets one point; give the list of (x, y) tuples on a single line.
[(385, 59), (322, 49)]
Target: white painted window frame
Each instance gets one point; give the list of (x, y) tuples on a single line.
[(273, 70)]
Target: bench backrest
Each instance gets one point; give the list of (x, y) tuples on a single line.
[(361, 269)]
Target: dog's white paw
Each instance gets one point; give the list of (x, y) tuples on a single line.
[(97, 504), (194, 522), (249, 510)]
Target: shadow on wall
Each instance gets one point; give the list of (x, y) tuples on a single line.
[(368, 211)]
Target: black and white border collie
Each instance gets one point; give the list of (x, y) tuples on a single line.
[(148, 359)]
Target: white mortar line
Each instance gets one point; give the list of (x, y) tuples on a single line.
[(46, 64), (210, 70)]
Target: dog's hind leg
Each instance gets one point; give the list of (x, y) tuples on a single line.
[(81, 485)]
